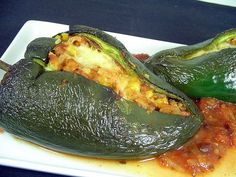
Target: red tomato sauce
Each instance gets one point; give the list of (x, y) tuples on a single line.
[(141, 56), (209, 145)]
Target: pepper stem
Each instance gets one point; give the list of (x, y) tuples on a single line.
[(4, 66)]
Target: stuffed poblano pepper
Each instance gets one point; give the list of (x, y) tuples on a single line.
[(82, 92), (206, 69)]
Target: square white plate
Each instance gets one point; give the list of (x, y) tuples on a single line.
[(17, 153)]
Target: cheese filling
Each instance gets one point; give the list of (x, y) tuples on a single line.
[(230, 43), (79, 55)]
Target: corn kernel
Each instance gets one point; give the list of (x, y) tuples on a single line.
[(64, 36), (149, 94), (72, 50)]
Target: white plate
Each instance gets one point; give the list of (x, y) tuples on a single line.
[(21, 154)]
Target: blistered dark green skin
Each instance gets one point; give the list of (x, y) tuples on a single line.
[(39, 47), (210, 75), (69, 113)]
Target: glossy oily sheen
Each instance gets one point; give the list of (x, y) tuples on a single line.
[(207, 69), (66, 112)]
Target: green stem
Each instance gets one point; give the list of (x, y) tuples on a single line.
[(4, 66)]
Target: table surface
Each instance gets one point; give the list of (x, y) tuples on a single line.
[(180, 21)]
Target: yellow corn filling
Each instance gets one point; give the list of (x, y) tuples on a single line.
[(75, 54)]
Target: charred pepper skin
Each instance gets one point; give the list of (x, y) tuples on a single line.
[(200, 70), (69, 113)]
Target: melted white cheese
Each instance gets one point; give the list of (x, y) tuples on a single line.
[(91, 57)]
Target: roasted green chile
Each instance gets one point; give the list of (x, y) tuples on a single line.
[(69, 113), (206, 69)]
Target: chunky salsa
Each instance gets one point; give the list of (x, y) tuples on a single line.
[(210, 144)]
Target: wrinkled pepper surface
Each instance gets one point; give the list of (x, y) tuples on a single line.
[(82, 92), (206, 69)]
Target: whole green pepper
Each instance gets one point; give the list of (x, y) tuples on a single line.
[(206, 69), (67, 112)]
